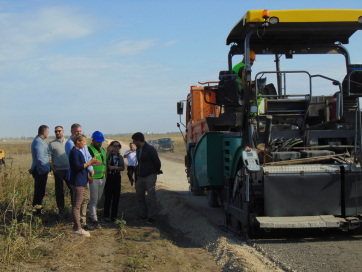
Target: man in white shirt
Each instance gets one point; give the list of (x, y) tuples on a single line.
[(130, 155)]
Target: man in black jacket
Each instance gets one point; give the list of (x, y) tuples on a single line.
[(148, 166)]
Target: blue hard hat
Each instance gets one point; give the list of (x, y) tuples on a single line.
[(98, 136)]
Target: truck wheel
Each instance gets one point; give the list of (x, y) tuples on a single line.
[(212, 198), (195, 190), (198, 192)]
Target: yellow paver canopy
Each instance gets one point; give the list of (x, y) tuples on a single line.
[(297, 27)]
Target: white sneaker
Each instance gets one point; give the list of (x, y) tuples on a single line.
[(82, 232)]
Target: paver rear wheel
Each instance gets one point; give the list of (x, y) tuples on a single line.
[(212, 198)]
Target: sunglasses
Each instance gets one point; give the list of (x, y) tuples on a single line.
[(57, 131), (116, 146)]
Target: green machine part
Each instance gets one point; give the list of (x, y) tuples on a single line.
[(215, 158)]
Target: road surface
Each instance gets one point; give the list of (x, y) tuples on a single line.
[(302, 250)]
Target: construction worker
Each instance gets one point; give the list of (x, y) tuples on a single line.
[(96, 187), (239, 69), (240, 73)]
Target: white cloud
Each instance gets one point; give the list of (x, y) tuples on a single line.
[(23, 33), (129, 48), (170, 43), (62, 64)]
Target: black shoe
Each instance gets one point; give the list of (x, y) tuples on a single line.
[(88, 228), (38, 212), (61, 212), (96, 225), (140, 218)]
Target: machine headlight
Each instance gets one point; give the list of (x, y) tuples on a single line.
[(274, 20)]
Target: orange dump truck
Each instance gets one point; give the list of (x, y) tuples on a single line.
[(200, 104)]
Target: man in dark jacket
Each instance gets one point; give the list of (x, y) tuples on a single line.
[(149, 165)]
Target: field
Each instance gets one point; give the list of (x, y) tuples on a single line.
[(46, 243)]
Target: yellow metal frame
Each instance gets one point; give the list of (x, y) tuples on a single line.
[(306, 15)]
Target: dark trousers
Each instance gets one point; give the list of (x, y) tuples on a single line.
[(59, 176), (147, 207), (131, 170), (40, 182), (112, 192)]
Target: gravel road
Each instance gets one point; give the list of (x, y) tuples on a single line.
[(302, 250), (201, 224)]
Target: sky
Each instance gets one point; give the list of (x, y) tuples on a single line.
[(120, 66)]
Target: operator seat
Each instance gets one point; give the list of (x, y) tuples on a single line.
[(350, 102), (228, 90), (269, 89), (356, 83)]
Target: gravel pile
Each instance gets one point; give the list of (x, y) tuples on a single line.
[(230, 254)]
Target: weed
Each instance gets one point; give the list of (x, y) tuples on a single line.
[(136, 262), (121, 227)]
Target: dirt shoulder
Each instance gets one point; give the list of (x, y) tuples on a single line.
[(183, 238), (144, 247)]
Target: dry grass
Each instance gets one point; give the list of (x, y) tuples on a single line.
[(18, 227), (31, 243)]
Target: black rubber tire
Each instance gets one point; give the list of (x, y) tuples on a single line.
[(212, 200), (198, 192)]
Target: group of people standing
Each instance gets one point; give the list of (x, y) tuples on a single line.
[(90, 171)]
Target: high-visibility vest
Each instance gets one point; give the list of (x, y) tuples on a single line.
[(239, 80), (99, 170), (258, 101)]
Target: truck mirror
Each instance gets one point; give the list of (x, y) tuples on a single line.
[(180, 108)]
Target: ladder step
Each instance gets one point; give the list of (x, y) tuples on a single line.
[(298, 222)]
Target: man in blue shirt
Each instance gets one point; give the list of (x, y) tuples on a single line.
[(40, 166)]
